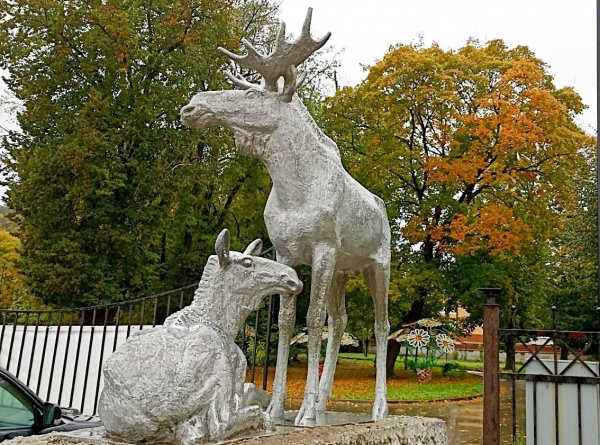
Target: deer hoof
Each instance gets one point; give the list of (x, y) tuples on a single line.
[(275, 410), (307, 416), (380, 409)]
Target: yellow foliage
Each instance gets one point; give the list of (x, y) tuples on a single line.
[(11, 280)]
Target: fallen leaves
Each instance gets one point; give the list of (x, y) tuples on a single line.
[(355, 380)]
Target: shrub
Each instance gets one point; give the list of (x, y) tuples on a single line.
[(452, 369)]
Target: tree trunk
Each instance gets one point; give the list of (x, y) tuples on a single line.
[(510, 354), (393, 349), (416, 311), (564, 352)]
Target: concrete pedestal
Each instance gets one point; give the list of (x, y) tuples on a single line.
[(333, 428)]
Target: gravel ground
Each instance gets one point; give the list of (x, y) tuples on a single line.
[(58, 439), (50, 439)]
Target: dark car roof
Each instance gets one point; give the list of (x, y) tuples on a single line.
[(23, 387), (68, 423)]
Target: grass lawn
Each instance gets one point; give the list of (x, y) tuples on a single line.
[(355, 380), (478, 366)]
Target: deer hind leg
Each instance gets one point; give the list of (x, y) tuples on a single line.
[(323, 266), (337, 320), (287, 318), (246, 419), (378, 280)]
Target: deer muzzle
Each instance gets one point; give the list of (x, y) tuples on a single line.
[(195, 116), (294, 285)]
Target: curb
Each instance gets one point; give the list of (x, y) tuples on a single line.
[(401, 402)]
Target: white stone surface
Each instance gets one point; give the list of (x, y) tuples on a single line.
[(183, 382), (396, 430), (316, 214)]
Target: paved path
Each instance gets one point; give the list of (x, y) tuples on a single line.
[(464, 419)]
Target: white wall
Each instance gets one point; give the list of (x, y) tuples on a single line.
[(36, 363)]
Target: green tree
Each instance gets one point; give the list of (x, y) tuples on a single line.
[(574, 265), (11, 280), (114, 198)]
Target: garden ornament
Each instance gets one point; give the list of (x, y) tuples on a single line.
[(183, 382), (316, 213)]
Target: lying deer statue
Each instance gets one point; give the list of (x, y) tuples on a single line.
[(316, 214), (183, 382)]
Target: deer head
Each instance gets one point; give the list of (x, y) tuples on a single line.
[(250, 277), (256, 107)]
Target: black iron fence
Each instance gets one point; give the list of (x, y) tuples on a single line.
[(59, 353), (550, 393)]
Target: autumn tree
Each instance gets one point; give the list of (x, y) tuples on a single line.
[(472, 150)]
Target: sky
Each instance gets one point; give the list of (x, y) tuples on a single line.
[(561, 33)]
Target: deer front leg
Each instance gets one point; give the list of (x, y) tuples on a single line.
[(240, 365), (336, 308), (287, 318), (378, 279), (324, 258)]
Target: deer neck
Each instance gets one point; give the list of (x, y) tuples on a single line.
[(297, 164), (219, 307), (295, 152)]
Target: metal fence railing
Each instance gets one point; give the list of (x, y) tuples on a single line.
[(552, 393)]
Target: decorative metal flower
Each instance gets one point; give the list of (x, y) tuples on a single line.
[(399, 336), (349, 340), (418, 338), (445, 343), (429, 323)]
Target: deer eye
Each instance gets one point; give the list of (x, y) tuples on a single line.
[(252, 94), (247, 262)]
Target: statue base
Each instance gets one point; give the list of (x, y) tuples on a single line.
[(331, 428)]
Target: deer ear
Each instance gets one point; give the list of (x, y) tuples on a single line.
[(222, 247), (254, 248)]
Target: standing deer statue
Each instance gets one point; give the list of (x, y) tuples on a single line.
[(316, 213), (183, 382)]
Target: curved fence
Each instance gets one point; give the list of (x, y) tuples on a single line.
[(59, 353)]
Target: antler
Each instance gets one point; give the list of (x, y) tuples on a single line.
[(282, 62)]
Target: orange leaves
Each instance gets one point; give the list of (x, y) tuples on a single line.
[(444, 170), (494, 229), (355, 380)]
